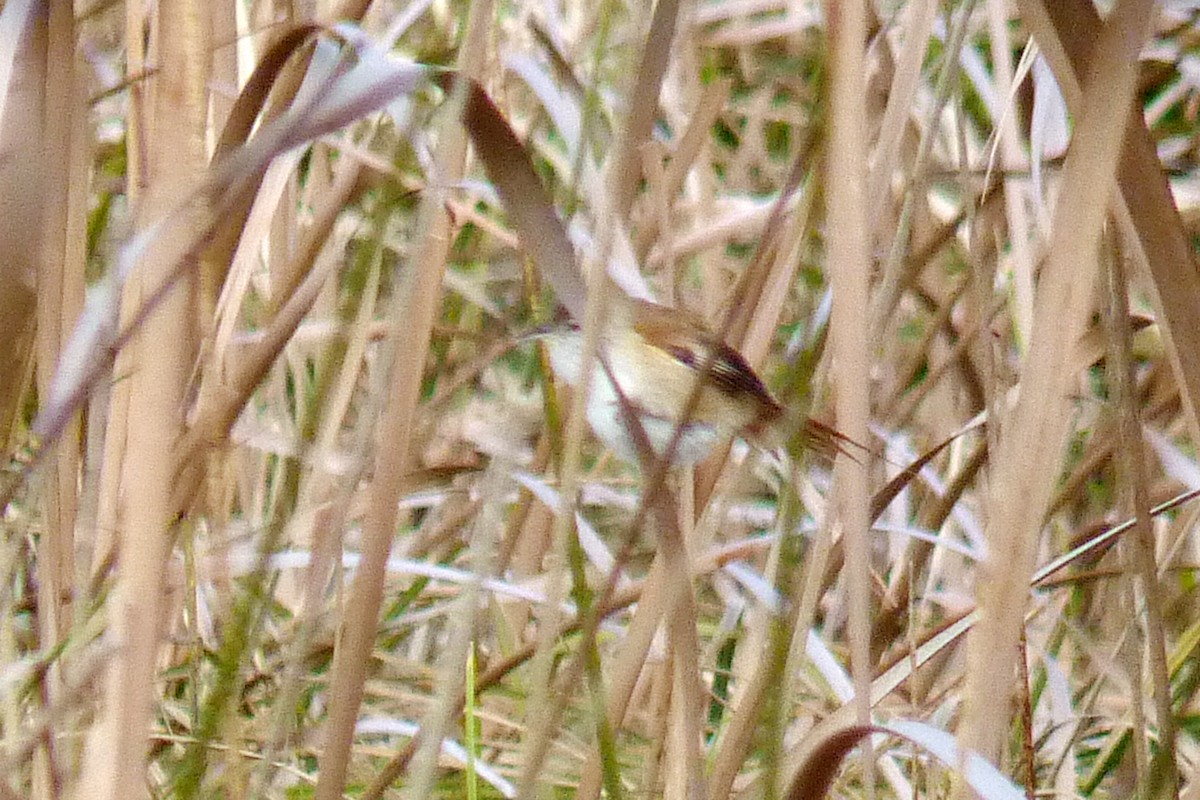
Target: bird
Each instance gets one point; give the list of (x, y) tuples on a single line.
[(655, 353)]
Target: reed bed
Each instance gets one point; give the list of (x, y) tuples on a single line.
[(294, 507)]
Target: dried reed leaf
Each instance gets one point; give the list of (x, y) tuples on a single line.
[(361, 89), (801, 757), (22, 87), (541, 231), (244, 113)]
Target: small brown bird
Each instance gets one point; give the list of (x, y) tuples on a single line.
[(656, 353)]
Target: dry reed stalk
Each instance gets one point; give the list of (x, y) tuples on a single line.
[(1164, 774), (612, 211), (108, 501), (59, 301), (137, 67), (1131, 475), (413, 316), (324, 496), (1067, 33), (446, 705), (60, 298), (700, 213), (849, 267), (230, 378), (1021, 232), (1029, 457), (712, 103), (917, 30), (114, 763)]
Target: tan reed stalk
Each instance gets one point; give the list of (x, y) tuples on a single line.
[(161, 361), (849, 267)]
